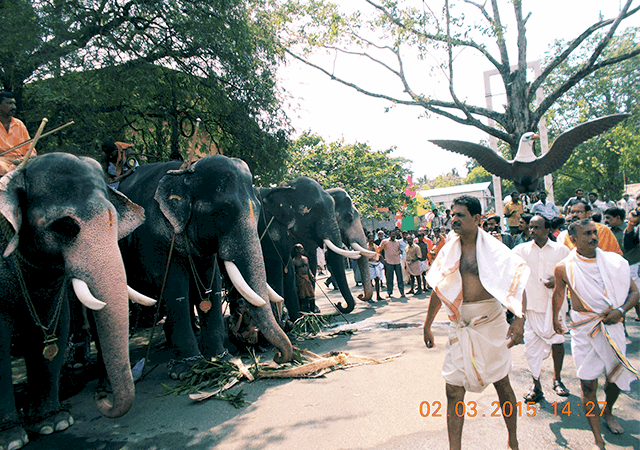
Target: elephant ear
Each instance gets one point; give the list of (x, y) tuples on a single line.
[(279, 202), (130, 215), (11, 185), (174, 200)]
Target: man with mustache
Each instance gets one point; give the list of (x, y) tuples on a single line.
[(607, 241), (474, 275), (601, 292)]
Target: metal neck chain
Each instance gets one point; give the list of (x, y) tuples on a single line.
[(199, 283), (49, 331)]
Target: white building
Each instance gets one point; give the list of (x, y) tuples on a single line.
[(446, 195)]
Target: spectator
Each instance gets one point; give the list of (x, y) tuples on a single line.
[(596, 205), (631, 243), (557, 225), (567, 206), (447, 219), (493, 228), (606, 240), (627, 204), (607, 202), (391, 248), (524, 235), (512, 212), (546, 209)]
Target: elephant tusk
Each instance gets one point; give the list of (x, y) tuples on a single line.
[(241, 285), (84, 295), (348, 253), (139, 298), (273, 295), (363, 251)]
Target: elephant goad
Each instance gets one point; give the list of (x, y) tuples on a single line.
[(301, 212), (208, 209), (60, 231), (352, 233)]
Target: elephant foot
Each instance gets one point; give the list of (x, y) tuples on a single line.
[(13, 438), (179, 368), (57, 422)]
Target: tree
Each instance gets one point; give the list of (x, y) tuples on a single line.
[(388, 33), (605, 162), (373, 179), (133, 59)]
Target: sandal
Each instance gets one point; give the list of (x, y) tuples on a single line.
[(534, 395), (560, 389)]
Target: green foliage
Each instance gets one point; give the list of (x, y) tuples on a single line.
[(136, 72), (372, 178), (605, 162)]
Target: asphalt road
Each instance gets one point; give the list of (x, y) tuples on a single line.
[(366, 407)]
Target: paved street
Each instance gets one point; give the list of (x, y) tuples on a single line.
[(366, 407)]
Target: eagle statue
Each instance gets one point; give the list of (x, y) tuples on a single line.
[(526, 169)]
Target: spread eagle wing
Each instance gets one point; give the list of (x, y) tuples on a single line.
[(485, 156), (564, 144)]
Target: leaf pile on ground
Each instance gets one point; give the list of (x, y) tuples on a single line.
[(213, 378)]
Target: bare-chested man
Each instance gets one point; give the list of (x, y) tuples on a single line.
[(466, 281), (304, 281), (602, 291)]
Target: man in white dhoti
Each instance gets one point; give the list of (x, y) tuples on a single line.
[(474, 275), (601, 293), (540, 340)]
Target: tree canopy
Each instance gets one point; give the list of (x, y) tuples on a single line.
[(388, 34), (373, 179), (604, 163), (143, 68)]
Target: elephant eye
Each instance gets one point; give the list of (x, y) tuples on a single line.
[(66, 228)]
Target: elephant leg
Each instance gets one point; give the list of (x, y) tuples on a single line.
[(212, 328), (291, 292), (8, 412), (44, 380), (177, 327)]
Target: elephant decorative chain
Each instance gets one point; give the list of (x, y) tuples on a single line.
[(50, 339)]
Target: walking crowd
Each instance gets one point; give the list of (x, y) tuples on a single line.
[(554, 275)]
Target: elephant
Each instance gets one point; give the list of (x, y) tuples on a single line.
[(301, 212), (206, 215), (60, 231), (353, 236)]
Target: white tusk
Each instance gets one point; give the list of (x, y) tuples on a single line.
[(139, 298), (241, 285), (273, 295), (84, 295), (363, 251), (348, 253)]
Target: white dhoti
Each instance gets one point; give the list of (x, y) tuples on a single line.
[(594, 356), (424, 266), (376, 270), (477, 353), (539, 336), (599, 284)]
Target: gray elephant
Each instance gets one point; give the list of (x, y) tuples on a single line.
[(353, 236), (60, 231), (301, 212), (206, 215)]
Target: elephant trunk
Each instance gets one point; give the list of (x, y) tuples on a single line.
[(242, 247), (355, 234), (336, 264), (95, 259)]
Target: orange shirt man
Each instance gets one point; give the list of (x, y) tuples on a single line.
[(12, 133)]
